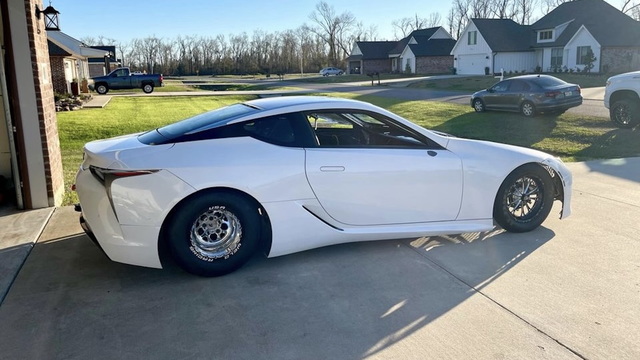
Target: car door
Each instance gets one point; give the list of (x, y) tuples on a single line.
[(380, 175), (513, 97), (119, 79), (496, 96)]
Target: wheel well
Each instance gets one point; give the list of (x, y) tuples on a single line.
[(102, 83), (558, 189), (266, 233), (624, 95), (147, 82)]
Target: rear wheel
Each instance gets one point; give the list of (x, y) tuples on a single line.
[(214, 234), (524, 199), (478, 105), (528, 109), (625, 113), (147, 88)]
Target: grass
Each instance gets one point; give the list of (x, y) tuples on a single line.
[(475, 83), (572, 137)]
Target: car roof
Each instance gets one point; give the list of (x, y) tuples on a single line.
[(273, 103)]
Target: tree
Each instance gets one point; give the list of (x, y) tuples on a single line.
[(333, 29), (405, 26)]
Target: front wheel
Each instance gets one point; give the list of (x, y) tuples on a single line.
[(528, 109), (478, 105), (625, 113), (524, 199), (102, 89), (214, 234), (147, 88)]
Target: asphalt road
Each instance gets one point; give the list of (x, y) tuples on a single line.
[(568, 290), (592, 105)]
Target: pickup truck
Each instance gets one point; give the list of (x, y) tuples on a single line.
[(622, 98), (122, 78)]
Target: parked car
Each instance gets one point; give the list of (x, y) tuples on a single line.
[(622, 98), (122, 78), (331, 71), (287, 174), (529, 95)]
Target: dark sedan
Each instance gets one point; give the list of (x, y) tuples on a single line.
[(529, 95)]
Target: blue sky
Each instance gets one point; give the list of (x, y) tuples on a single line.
[(125, 20)]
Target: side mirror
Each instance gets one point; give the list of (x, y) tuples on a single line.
[(490, 90)]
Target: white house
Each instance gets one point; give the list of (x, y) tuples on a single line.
[(559, 41)]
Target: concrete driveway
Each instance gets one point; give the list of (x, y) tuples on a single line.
[(570, 289)]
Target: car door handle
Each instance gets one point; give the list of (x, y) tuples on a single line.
[(331, 168)]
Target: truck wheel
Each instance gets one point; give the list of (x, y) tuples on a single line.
[(102, 89), (625, 113), (147, 88)]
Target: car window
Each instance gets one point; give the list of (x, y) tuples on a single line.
[(348, 128), (502, 86), (519, 85), (548, 81)]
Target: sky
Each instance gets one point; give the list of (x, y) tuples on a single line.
[(125, 20)]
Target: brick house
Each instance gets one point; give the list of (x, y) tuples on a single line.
[(424, 51), (29, 144), (70, 60)]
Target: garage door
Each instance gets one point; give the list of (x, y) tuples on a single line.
[(471, 64)]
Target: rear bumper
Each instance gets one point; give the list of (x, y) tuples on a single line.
[(555, 106)]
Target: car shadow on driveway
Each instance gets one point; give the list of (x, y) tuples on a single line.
[(345, 301)]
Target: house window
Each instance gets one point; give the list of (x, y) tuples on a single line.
[(582, 56), (545, 35), (556, 57), (472, 37)]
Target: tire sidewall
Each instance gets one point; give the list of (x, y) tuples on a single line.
[(501, 213), (147, 88), (102, 86), (179, 228)]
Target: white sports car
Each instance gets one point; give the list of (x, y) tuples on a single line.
[(287, 174)]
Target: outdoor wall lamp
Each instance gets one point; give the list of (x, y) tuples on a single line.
[(51, 20)]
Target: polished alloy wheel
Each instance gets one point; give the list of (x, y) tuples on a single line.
[(527, 109), (621, 115), (524, 198), (216, 234)]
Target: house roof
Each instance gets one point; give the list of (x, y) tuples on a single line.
[(372, 50), (55, 50), (433, 47), (73, 46), (608, 25), (505, 35)]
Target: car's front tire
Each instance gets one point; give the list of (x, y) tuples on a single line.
[(524, 199), (478, 105), (102, 89), (625, 113), (214, 234)]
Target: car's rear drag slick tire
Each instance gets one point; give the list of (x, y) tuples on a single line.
[(214, 234), (524, 199)]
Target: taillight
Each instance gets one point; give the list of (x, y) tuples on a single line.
[(579, 90), (552, 94), (108, 175)]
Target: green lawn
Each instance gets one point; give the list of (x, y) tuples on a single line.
[(475, 83), (572, 137)]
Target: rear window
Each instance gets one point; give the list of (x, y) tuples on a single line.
[(547, 82), (208, 120)]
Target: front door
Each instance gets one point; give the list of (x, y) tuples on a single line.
[(386, 186)]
